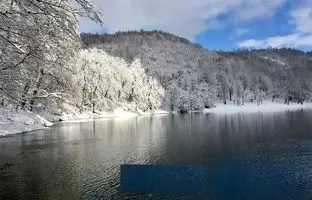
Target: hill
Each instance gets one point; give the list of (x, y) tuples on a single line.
[(194, 77)]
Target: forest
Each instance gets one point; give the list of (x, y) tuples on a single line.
[(194, 78), (50, 66)]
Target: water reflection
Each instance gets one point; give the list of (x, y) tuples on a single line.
[(81, 160)]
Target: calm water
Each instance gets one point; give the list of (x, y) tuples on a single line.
[(250, 156)]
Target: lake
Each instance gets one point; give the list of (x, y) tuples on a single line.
[(249, 156)]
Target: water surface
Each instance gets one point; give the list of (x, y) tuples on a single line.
[(248, 156)]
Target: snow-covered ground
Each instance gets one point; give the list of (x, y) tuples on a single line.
[(12, 121), (18, 121), (71, 113), (267, 106), (118, 113)]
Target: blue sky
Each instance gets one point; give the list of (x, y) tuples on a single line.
[(228, 37), (215, 24)]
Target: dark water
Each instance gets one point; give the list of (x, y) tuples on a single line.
[(249, 156)]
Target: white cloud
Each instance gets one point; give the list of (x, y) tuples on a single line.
[(292, 40), (241, 31), (251, 43), (186, 18), (301, 18), (252, 9)]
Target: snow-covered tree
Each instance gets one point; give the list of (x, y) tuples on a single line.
[(37, 39), (103, 82), (172, 95), (207, 94)]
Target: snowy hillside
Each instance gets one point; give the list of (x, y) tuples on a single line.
[(193, 77)]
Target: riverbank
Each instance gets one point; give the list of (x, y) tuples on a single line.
[(76, 116), (265, 107), (14, 121), (19, 121)]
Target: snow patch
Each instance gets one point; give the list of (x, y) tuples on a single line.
[(280, 62), (123, 114), (43, 121), (117, 114), (18, 121), (266, 107), (72, 114)]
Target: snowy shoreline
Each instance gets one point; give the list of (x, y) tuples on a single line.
[(266, 107), (14, 122), (120, 114), (19, 121)]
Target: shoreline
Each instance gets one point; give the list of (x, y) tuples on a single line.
[(265, 107), (19, 122), (14, 122), (118, 114)]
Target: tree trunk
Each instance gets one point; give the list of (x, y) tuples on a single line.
[(24, 100), (35, 92), (119, 94), (93, 100), (84, 92), (231, 93), (131, 96), (93, 107)]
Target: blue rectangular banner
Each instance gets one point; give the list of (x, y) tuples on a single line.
[(163, 179)]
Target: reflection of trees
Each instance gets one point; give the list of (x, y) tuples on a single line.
[(198, 138)]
